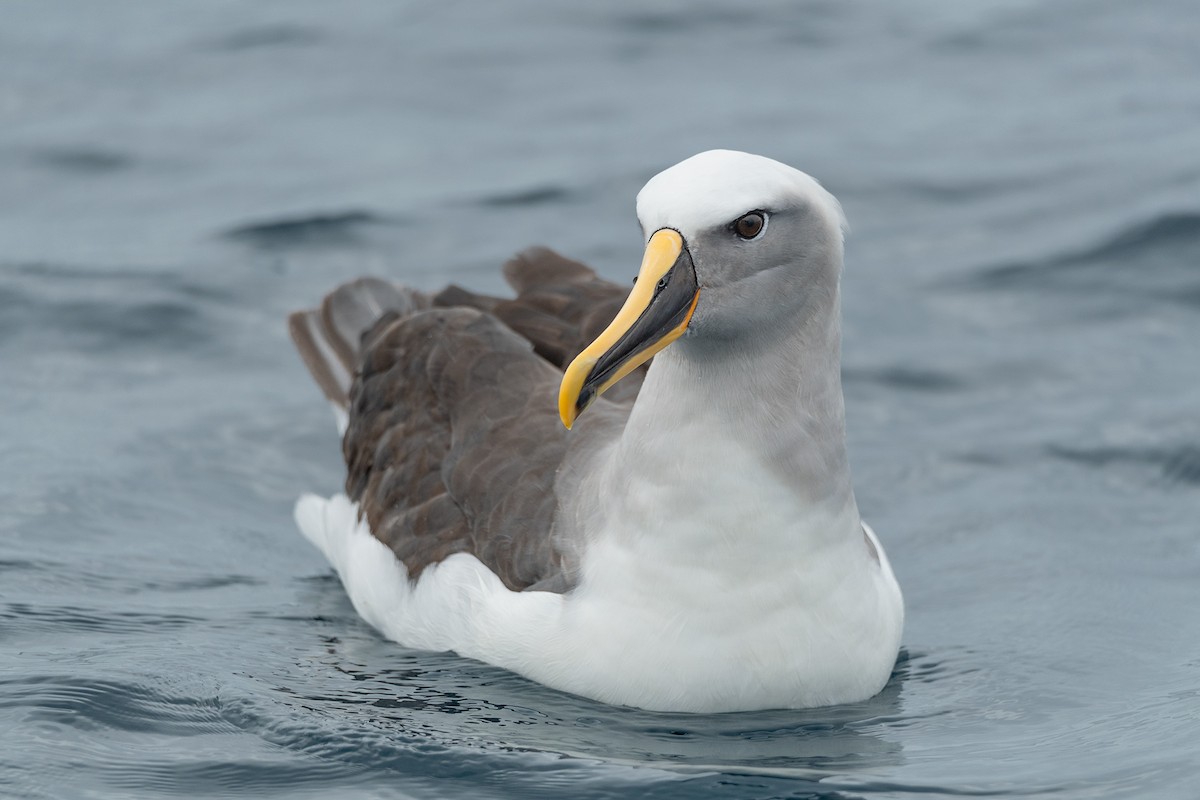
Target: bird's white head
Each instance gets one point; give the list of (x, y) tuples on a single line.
[(713, 189), (735, 243)]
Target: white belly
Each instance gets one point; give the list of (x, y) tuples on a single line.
[(789, 634), (675, 640)]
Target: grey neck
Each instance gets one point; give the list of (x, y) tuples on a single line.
[(778, 391)]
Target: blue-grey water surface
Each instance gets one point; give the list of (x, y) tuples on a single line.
[(1021, 357)]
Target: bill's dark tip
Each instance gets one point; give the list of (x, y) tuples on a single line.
[(668, 308), (586, 396)]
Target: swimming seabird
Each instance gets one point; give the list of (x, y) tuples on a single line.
[(522, 491)]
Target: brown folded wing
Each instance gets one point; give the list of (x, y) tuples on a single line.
[(454, 440)]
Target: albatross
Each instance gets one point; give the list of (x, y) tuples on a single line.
[(526, 487)]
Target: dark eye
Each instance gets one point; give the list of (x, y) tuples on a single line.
[(750, 225)]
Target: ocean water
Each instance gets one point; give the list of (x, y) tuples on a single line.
[(1022, 376)]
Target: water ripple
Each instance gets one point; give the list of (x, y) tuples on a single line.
[(82, 160), (1175, 464), (534, 196), (1153, 260), (333, 229), (103, 311), (906, 378), (266, 36), (24, 617)]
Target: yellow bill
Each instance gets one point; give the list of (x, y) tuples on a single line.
[(655, 314)]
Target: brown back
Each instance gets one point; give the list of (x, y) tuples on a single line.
[(454, 439)]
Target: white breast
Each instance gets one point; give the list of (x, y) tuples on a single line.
[(710, 589)]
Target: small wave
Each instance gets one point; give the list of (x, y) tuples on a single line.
[(92, 704), (82, 160), (266, 36), (924, 669), (126, 584), (1178, 464), (212, 778), (21, 565), (1017, 31), (22, 617), (953, 190), (690, 19), (1168, 230), (168, 282), (534, 196), (332, 229), (914, 379), (201, 584), (1155, 259), (109, 310), (103, 718), (111, 325)]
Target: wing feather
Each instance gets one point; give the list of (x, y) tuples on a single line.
[(454, 440)]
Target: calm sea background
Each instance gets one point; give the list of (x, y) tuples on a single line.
[(1022, 376)]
